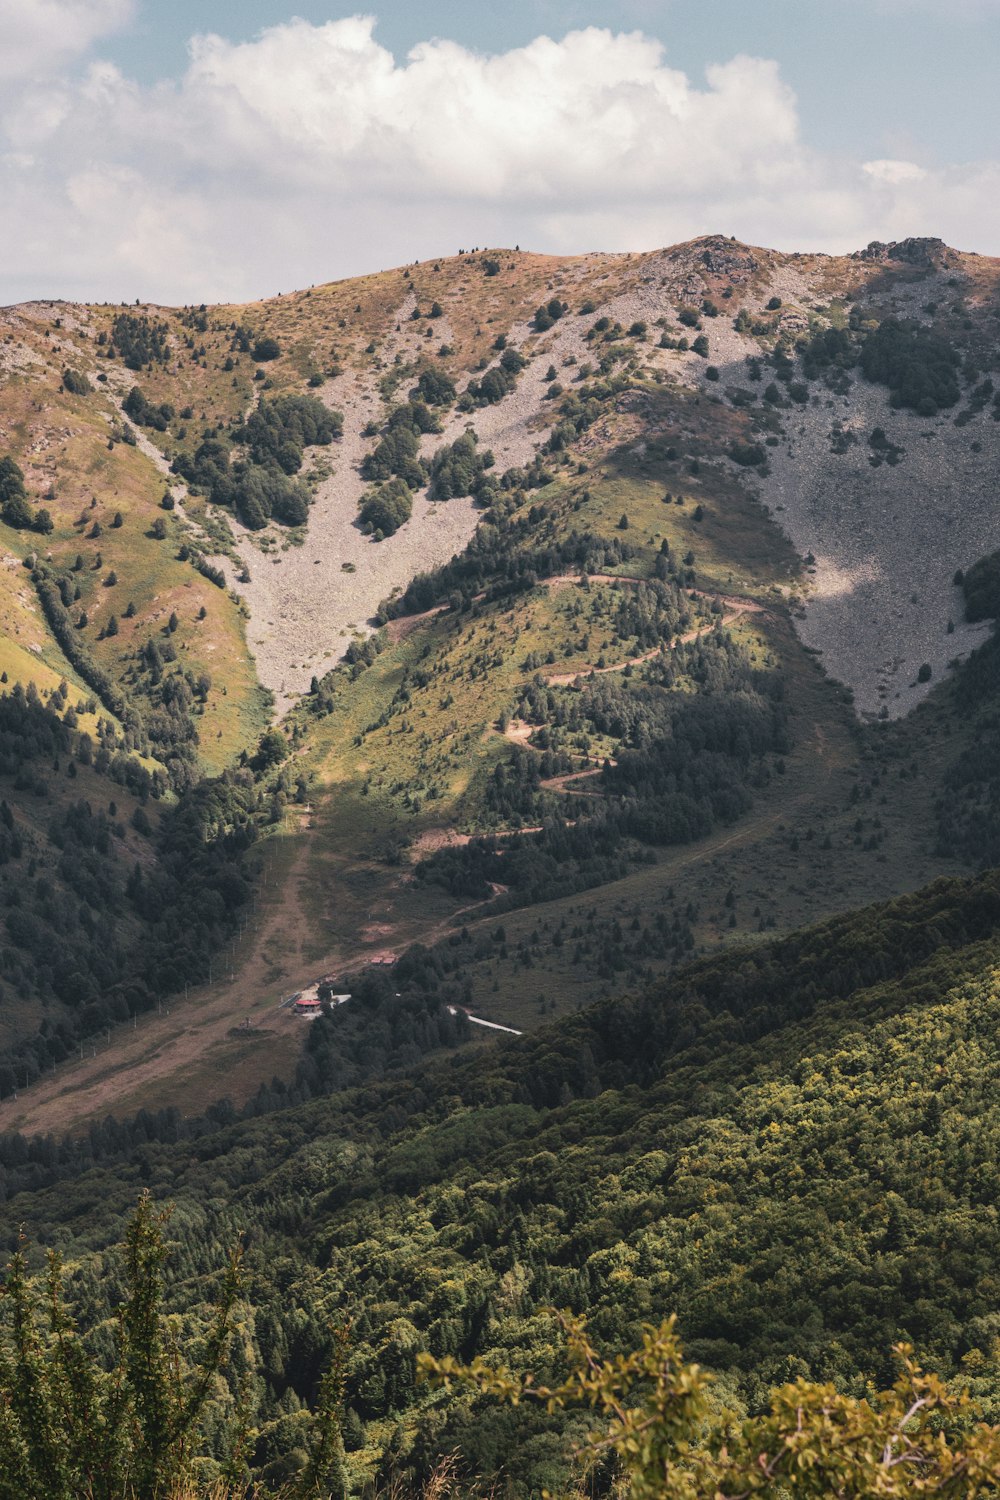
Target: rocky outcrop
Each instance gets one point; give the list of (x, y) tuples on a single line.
[(915, 251)]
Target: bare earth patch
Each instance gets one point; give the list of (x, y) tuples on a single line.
[(308, 603), (887, 541), (518, 732), (433, 839)]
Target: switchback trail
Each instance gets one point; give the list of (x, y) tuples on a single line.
[(743, 607)]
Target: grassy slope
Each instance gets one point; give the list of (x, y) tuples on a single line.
[(61, 442)]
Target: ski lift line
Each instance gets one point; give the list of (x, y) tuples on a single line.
[(289, 1001), (478, 1021)]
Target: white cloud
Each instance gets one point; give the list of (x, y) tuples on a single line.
[(594, 111), (310, 152), (39, 35), (893, 172), (956, 203)]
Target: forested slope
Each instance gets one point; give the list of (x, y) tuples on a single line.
[(793, 1147)]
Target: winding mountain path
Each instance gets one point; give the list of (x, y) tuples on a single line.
[(739, 608)]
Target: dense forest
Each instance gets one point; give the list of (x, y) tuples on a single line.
[(139, 1422), (104, 913), (701, 1148)]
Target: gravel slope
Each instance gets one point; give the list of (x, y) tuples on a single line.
[(305, 607)]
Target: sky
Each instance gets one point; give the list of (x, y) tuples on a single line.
[(207, 150)]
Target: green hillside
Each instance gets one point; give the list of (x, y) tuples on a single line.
[(793, 1147)]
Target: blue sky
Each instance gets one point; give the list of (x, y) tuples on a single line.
[(217, 150)]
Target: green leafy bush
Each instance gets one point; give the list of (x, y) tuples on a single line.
[(266, 349), (262, 493), (435, 388), (144, 414), (919, 367), (15, 507), (548, 314), (459, 469), (398, 452), (76, 383), (386, 508), (655, 1414)]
